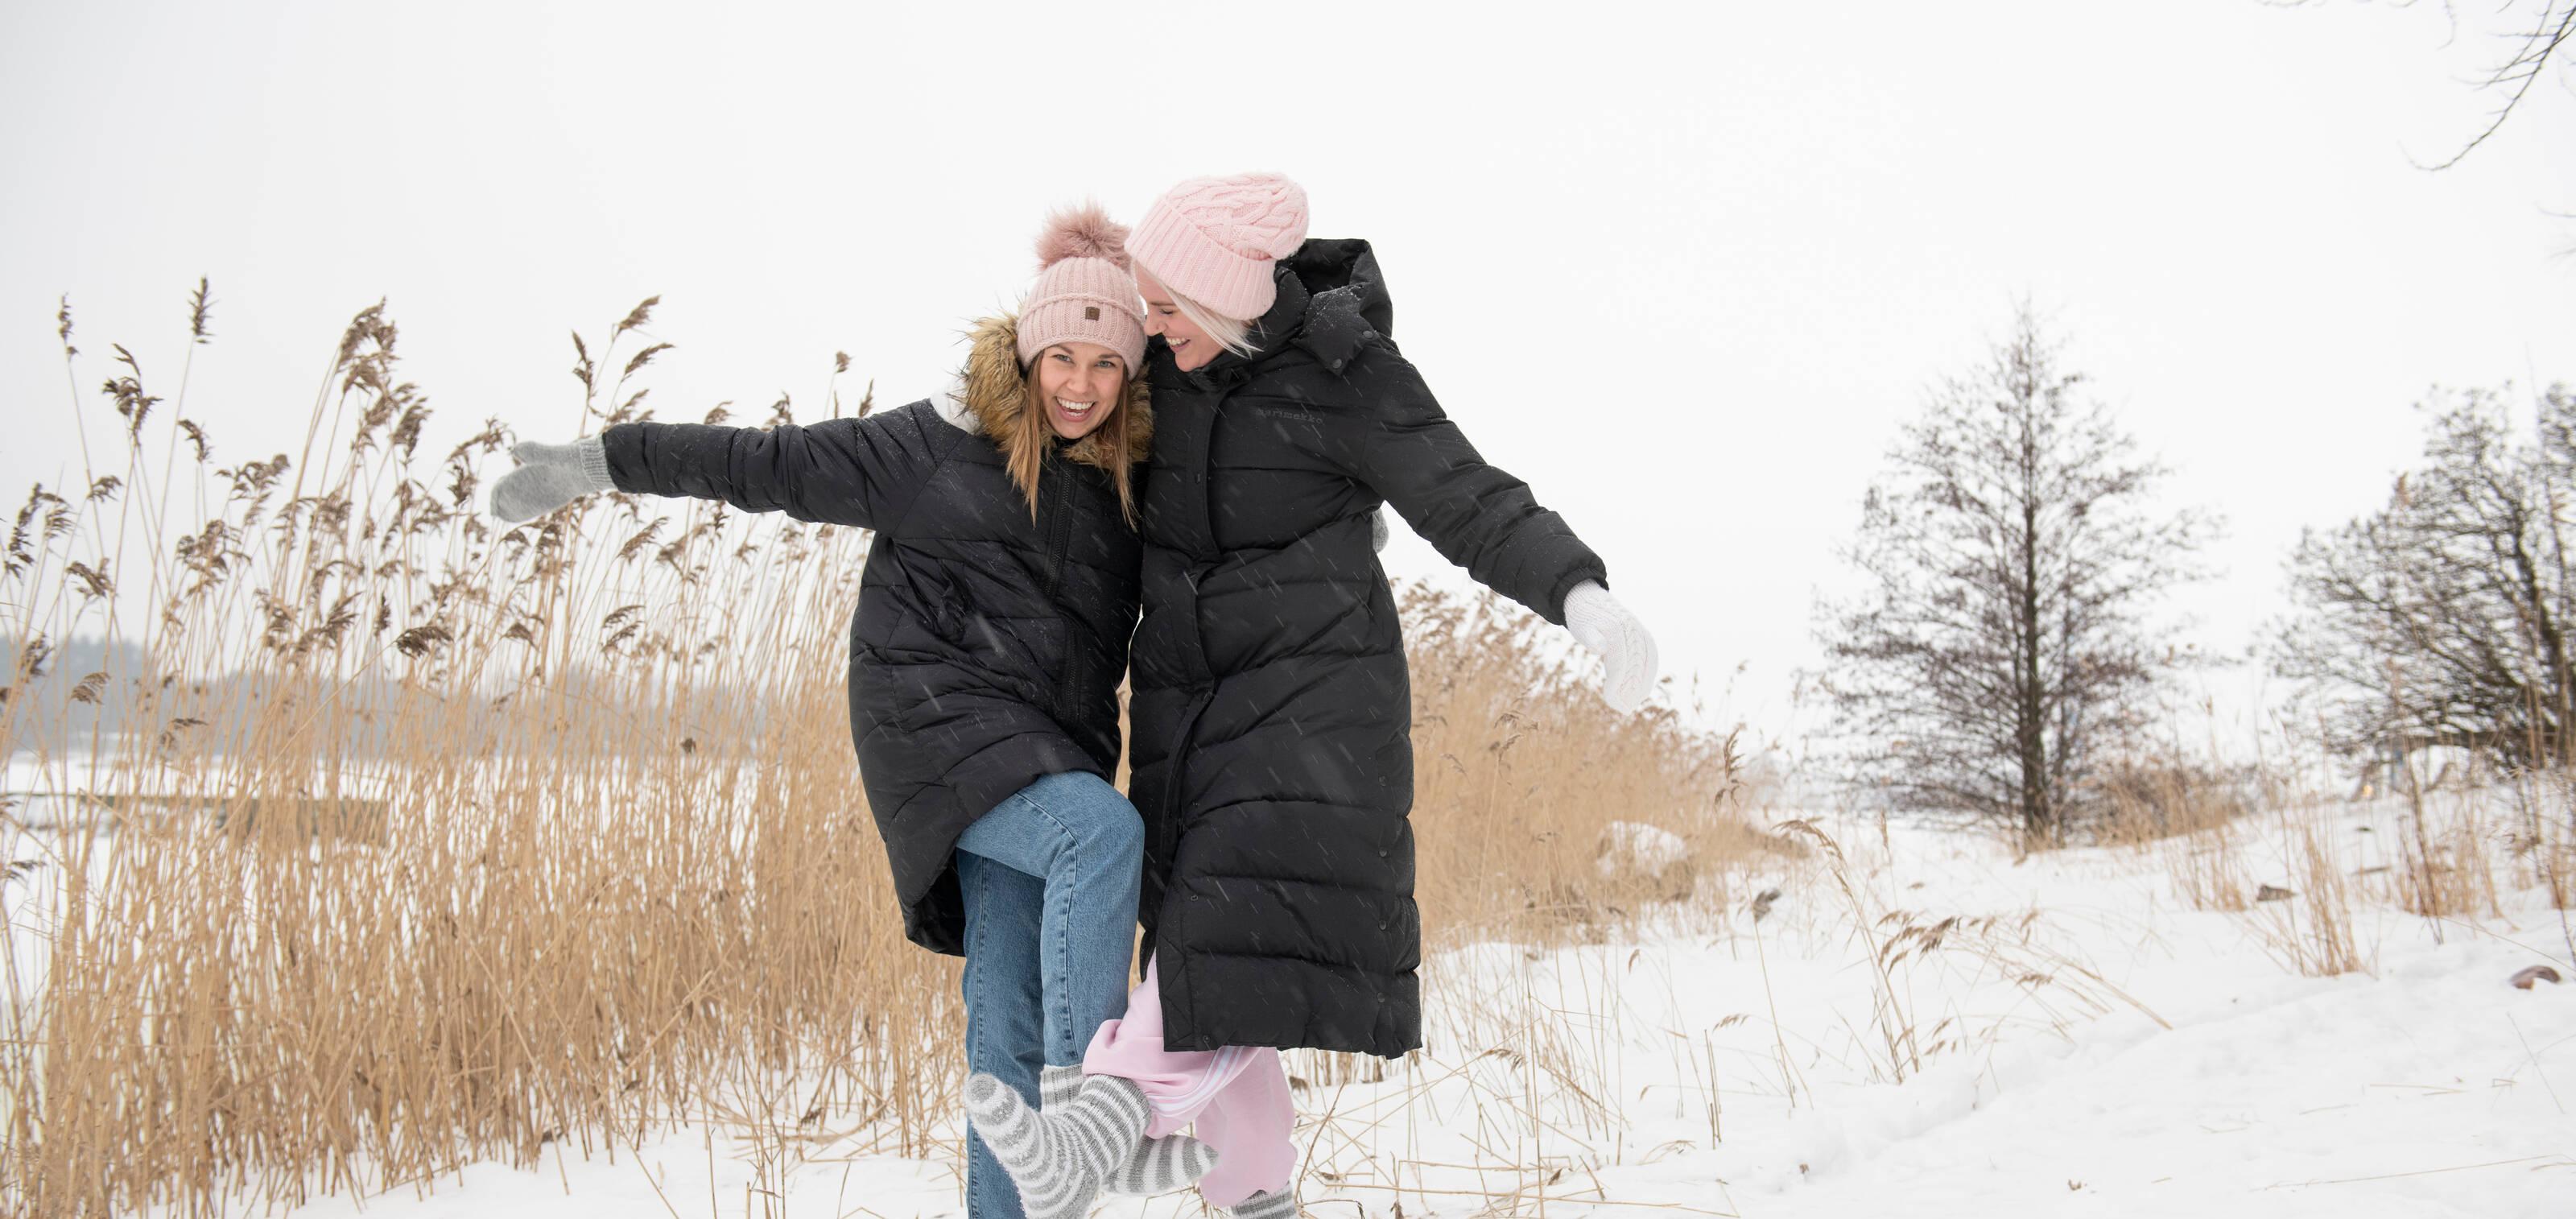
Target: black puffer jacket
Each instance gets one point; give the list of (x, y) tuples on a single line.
[(1272, 758), (987, 648)]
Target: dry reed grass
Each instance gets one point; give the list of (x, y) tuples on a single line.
[(612, 865), (2446, 855), (1897, 942), (617, 861), (2306, 920), (1530, 772), (2311, 931), (2160, 796)]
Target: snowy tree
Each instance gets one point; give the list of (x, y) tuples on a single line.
[(2442, 618), (2004, 646)]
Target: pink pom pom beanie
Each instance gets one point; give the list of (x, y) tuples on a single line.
[(1084, 292), (1213, 240)]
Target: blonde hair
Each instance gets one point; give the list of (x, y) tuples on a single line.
[(1029, 442), (1232, 334)]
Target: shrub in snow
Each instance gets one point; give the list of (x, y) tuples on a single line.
[(1653, 858)]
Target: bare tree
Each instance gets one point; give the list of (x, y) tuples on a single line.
[(2003, 648), (2540, 28), (2443, 617)]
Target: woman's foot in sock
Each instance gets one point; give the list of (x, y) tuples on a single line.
[(1159, 1166), (1059, 1158)]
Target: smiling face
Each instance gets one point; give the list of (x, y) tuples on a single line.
[(1078, 386), (1191, 346)]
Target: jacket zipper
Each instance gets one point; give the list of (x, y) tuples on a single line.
[(1058, 485), (1059, 520)]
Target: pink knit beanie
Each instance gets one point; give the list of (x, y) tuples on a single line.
[(1213, 240), (1084, 292)]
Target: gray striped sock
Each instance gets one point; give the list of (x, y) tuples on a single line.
[(1266, 1206), (1058, 1158), (1160, 1166), (1057, 1086), (1157, 1166)]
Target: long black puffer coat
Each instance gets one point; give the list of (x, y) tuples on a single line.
[(987, 648), (1271, 710)]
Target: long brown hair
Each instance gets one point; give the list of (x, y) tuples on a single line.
[(1031, 439)]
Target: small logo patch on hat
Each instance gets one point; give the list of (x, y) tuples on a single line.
[(1091, 313)]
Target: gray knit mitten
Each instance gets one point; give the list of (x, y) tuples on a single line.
[(1060, 1157), (1266, 1206), (1159, 1166), (550, 476)]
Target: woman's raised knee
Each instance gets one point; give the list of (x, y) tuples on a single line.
[(1100, 819)]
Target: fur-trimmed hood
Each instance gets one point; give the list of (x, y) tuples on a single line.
[(991, 392)]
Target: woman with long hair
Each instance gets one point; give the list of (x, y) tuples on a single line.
[(991, 634)]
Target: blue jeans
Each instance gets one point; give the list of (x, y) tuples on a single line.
[(1050, 879)]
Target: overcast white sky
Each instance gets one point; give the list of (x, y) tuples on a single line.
[(1683, 269)]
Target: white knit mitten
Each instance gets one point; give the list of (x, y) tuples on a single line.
[(1628, 659)]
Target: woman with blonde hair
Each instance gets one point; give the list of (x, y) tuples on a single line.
[(985, 656), (1271, 708)]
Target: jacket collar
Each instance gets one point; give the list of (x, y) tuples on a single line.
[(1276, 331)]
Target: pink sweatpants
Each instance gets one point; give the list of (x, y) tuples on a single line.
[(1237, 1094)]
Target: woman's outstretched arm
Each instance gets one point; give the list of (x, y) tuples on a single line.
[(862, 472), (1401, 445)]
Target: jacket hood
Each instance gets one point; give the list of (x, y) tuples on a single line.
[(993, 392), (1346, 300)]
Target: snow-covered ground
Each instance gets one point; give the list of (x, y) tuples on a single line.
[(2078, 1041)]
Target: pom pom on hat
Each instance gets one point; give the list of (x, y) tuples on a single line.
[(1082, 232)]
